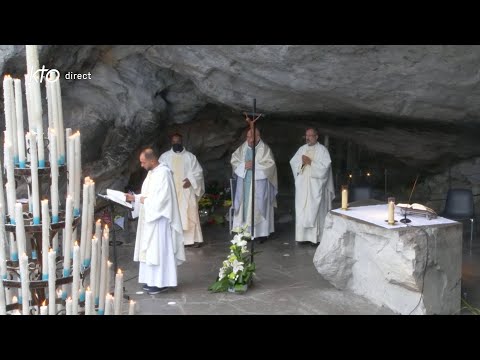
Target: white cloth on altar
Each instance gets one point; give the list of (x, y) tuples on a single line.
[(154, 245), (185, 165), (314, 191), (377, 214), (266, 189)]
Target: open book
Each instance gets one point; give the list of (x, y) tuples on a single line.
[(418, 209), (118, 197)]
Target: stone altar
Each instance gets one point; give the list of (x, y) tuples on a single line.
[(410, 269)]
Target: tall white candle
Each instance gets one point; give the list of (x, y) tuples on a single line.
[(68, 237), (71, 165), (68, 133), (2, 192), (344, 198), (60, 126), (76, 278), (109, 275), (118, 293), (69, 306), (52, 278), (7, 100), (37, 121), (94, 267), (34, 172), (45, 238), (131, 308), (24, 277), (11, 193), (54, 174), (20, 229), (14, 125), (89, 306), (91, 208), (78, 173), (3, 260), (108, 304), (103, 276), (19, 115), (3, 306), (83, 238), (3, 245), (391, 209), (32, 58), (28, 96)]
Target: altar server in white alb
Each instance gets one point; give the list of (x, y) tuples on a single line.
[(314, 190), (266, 186), (189, 186), (159, 241)]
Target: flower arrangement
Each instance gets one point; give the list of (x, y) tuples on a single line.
[(237, 270)]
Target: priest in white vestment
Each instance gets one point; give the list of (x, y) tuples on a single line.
[(189, 186), (266, 186), (159, 241), (314, 190)]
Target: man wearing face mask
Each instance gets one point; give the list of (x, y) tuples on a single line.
[(189, 186), (266, 186)]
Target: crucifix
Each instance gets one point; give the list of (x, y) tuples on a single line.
[(251, 119)]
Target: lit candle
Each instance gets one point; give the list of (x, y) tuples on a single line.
[(24, 277), (94, 267), (69, 306), (52, 278), (344, 197), (36, 111), (391, 208), (89, 306), (45, 238), (43, 309), (131, 308), (108, 304), (118, 293), (76, 278), (78, 172), (103, 276), (19, 115), (90, 214), (54, 174), (83, 234), (60, 127), (34, 172)]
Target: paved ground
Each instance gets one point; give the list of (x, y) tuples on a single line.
[(286, 281)]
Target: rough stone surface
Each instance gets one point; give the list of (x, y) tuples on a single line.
[(413, 103), (409, 270)]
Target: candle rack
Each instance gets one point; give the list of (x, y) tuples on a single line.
[(38, 287)]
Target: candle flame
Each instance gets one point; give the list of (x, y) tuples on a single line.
[(50, 250), (99, 221), (14, 299), (44, 302), (75, 243), (350, 176), (109, 263), (368, 174), (7, 76), (119, 271), (132, 302), (88, 288)]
